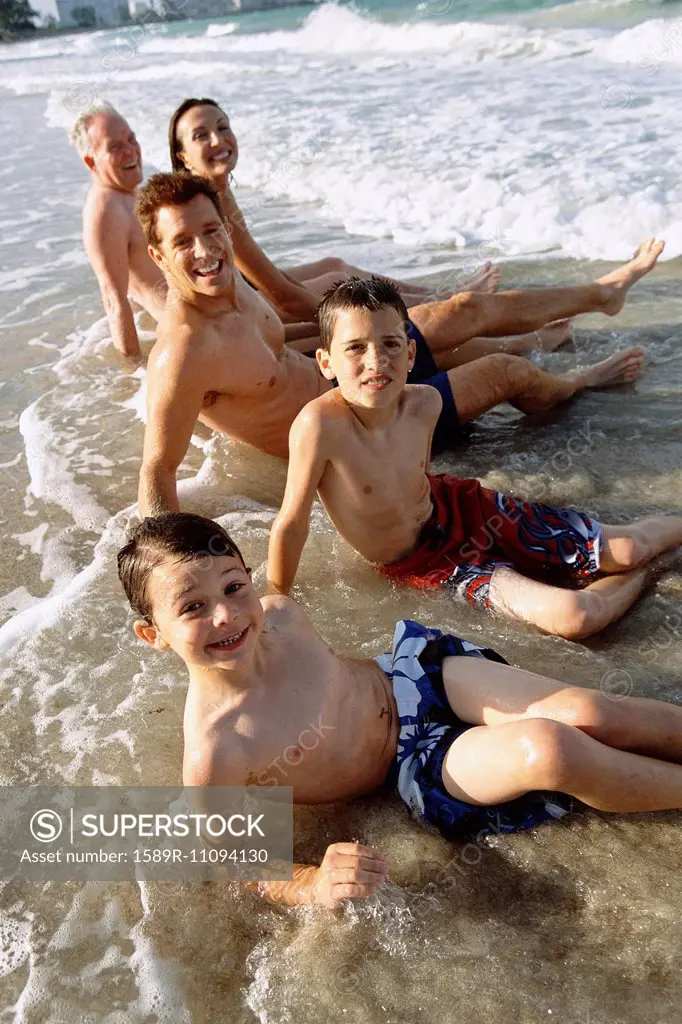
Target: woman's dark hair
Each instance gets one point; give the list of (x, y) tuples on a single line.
[(173, 141), (179, 535)]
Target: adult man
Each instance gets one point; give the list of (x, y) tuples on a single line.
[(221, 357), (112, 234)]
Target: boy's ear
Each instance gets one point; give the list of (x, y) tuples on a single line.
[(150, 635), (324, 363)]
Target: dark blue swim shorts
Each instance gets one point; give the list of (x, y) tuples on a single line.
[(429, 726)]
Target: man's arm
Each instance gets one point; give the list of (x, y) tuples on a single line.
[(307, 460), (106, 237), (174, 400), (288, 296)]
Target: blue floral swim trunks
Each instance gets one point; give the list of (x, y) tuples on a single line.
[(428, 727)]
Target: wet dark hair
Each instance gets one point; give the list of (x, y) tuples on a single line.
[(374, 294), (173, 140), (170, 190), (180, 535)]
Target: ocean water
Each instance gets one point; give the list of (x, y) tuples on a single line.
[(417, 140)]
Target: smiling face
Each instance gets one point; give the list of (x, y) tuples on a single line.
[(207, 144), (370, 355), (194, 249), (206, 610), (115, 157)]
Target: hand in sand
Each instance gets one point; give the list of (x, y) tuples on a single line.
[(348, 871)]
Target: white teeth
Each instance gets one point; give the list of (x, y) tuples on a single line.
[(229, 640), (209, 269)]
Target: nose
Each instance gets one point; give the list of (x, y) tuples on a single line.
[(221, 614), (373, 359), (201, 249), (215, 139)]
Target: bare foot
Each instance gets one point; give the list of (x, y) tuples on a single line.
[(621, 368), (486, 279), (554, 335), (617, 284)]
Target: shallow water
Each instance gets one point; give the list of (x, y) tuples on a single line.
[(486, 136)]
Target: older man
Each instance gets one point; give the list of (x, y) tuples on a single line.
[(113, 238), (220, 354)]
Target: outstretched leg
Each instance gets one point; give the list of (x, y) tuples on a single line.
[(483, 384), (572, 614), (322, 274), (493, 764), (548, 338), (450, 323), (486, 693)]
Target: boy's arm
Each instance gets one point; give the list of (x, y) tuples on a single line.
[(174, 401), (347, 871), (290, 297), (432, 408), (106, 237), (307, 461)]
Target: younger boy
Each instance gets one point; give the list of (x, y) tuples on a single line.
[(365, 447), (466, 738)]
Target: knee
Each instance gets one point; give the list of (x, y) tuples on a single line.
[(581, 614), (332, 264), (635, 549), (510, 375), (548, 753), (614, 722)]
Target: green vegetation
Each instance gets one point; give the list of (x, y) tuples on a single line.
[(17, 17)]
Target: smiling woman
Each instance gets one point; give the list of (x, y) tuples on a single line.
[(201, 140)]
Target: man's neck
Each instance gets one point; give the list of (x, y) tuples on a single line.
[(212, 306), (111, 187)]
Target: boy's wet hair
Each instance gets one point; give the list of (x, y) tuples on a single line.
[(373, 294), (179, 535), (176, 189)]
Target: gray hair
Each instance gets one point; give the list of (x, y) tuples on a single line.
[(78, 136)]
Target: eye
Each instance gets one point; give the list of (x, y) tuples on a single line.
[(201, 134), (354, 348), (192, 607), (232, 588)]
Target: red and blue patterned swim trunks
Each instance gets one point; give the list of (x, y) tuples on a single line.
[(474, 530)]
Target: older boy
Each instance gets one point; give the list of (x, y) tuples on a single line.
[(466, 738), (365, 449)]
